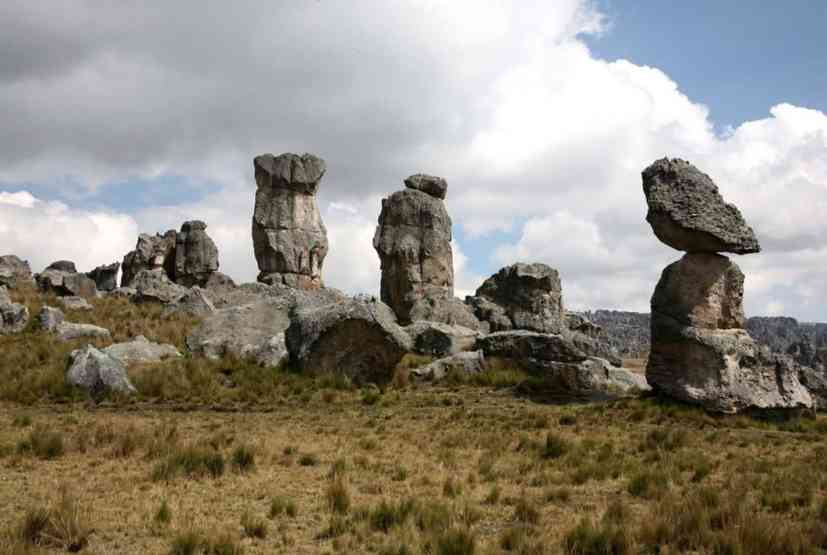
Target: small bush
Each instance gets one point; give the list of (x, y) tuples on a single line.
[(456, 541), (387, 515), (191, 461), (648, 484), (63, 525), (451, 487), (526, 512), (42, 443), (308, 459), (253, 526), (555, 447), (243, 458), (338, 496), (163, 516), (21, 421), (588, 539), (567, 420)]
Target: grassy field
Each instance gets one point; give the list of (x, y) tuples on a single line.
[(225, 457)]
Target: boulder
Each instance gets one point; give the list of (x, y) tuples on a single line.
[(522, 296), (472, 362), (196, 256), (52, 320), (75, 303), (123, 293), (435, 186), (595, 347), (14, 271), (413, 241), (13, 316), (155, 286), (289, 238), (62, 282), (195, 302), (105, 277), (594, 376), (141, 350), (63, 266), (151, 253), (580, 323), (530, 349), (687, 212), (358, 337), (49, 318), (439, 340), (815, 380), (220, 283), (448, 310), (98, 373)]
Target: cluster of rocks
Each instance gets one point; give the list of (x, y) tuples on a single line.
[(700, 351)]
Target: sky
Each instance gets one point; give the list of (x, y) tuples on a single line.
[(121, 118)]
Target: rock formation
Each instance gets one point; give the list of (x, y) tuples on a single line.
[(141, 350), (105, 277), (13, 316), (98, 373), (155, 286), (188, 257), (63, 279), (14, 271), (413, 241), (289, 238), (521, 296), (700, 352), (52, 320)]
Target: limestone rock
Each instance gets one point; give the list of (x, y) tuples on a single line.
[(98, 373), (289, 238), (14, 271), (595, 347), (430, 184), (196, 302), (220, 283), (440, 340), (63, 266), (196, 256), (52, 320), (105, 277), (448, 310), (815, 380), (472, 362), (75, 303), (155, 286), (522, 296), (141, 350), (580, 323), (49, 318), (151, 253), (413, 240), (358, 337), (123, 293), (530, 348), (61, 279), (687, 212), (13, 316), (593, 376)]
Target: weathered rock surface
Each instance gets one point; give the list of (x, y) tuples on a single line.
[(75, 303), (687, 212), (13, 316), (471, 362), (195, 302), (123, 293), (358, 337), (14, 271), (49, 318), (289, 238), (220, 283), (62, 279), (105, 277), (63, 266), (141, 350), (815, 380), (594, 376), (440, 340), (430, 184), (581, 323), (152, 252), (155, 286), (700, 352), (448, 310), (52, 320), (413, 240), (98, 373), (530, 347), (521, 296), (196, 256)]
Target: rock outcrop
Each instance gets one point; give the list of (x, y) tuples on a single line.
[(13, 316), (63, 279), (440, 340), (358, 337), (98, 373), (53, 320), (14, 271), (463, 364), (289, 238), (155, 286), (75, 303), (687, 212), (700, 352), (105, 277), (141, 350), (413, 241), (152, 252), (521, 296)]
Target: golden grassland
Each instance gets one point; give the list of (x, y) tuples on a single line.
[(226, 457)]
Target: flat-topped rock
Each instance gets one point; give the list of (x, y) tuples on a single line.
[(687, 212), (430, 184)]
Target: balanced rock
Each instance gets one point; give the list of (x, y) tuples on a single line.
[(521, 296), (141, 350), (196, 256), (98, 373), (152, 252), (289, 238), (155, 286), (13, 316), (413, 240), (105, 277), (687, 212), (358, 338), (14, 271), (700, 352)]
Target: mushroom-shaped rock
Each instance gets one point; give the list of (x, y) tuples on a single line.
[(14, 271), (358, 337), (289, 238), (687, 212), (521, 296), (98, 373), (105, 277)]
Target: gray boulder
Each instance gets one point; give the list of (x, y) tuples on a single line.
[(152, 252), (413, 241), (14, 271), (289, 238), (105, 277), (448, 310), (358, 337), (439, 340), (196, 256), (123, 293), (522, 296), (52, 320), (98, 373), (155, 286), (467, 363), (687, 212), (49, 318), (13, 316), (58, 279), (815, 380), (580, 323), (195, 302), (430, 184), (220, 283), (63, 266), (530, 348), (594, 376), (141, 350), (75, 303)]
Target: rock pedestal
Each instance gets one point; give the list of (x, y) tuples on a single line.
[(289, 238), (700, 351)]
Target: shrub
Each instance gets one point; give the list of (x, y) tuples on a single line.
[(191, 461), (555, 446), (648, 484), (253, 526), (526, 512), (243, 458), (456, 541), (451, 487), (62, 526), (588, 539), (164, 515), (308, 459), (43, 443), (387, 515), (338, 496)]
